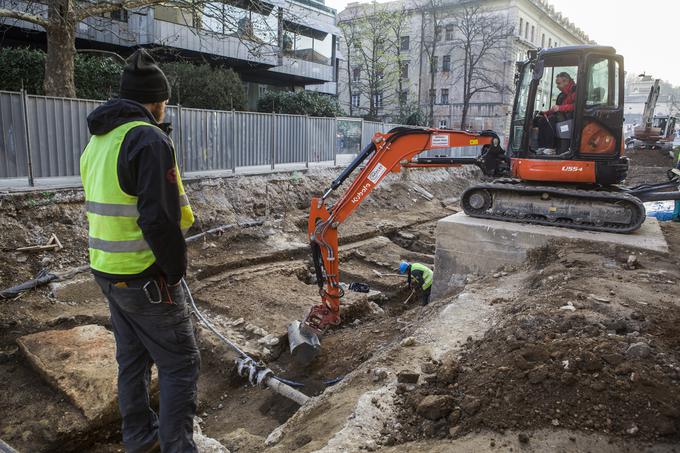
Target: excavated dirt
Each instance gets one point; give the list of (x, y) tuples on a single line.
[(250, 282), (609, 363), (608, 366)]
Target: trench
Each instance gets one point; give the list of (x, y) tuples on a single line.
[(232, 283)]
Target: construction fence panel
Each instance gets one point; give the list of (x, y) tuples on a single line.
[(254, 139), (206, 143), (13, 146), (58, 133), (290, 132), (368, 130), (322, 136), (349, 140)]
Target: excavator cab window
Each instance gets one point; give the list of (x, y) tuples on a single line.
[(602, 117), (554, 104)]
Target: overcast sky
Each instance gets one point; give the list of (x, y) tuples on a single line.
[(646, 33)]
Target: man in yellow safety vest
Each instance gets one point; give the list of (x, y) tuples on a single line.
[(423, 277), (137, 213)]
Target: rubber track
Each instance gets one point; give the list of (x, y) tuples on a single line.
[(513, 185)]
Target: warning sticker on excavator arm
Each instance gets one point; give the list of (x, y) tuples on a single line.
[(440, 141), (376, 173)]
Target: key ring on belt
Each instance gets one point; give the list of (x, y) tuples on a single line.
[(148, 294)]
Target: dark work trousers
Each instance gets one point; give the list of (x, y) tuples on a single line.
[(163, 334), (546, 131), (425, 296)]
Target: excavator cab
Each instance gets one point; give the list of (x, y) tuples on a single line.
[(567, 121)]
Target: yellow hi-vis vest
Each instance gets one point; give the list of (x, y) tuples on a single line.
[(116, 243), (427, 274)]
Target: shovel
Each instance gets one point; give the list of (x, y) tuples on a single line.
[(381, 275), (304, 345)]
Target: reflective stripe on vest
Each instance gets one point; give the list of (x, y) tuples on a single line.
[(427, 274), (116, 243)]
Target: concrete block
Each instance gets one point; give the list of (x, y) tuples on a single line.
[(79, 362), (467, 245)]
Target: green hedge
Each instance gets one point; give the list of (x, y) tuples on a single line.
[(95, 77), (98, 77), (204, 87), (299, 103)]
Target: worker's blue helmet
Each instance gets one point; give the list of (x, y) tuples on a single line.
[(403, 267)]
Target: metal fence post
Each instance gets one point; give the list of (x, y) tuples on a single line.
[(335, 142), (273, 146), (233, 141), (306, 141), (29, 160), (180, 139), (361, 143)]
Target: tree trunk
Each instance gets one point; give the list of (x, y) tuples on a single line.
[(61, 50), (463, 118)]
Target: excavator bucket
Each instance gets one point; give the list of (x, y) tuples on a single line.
[(304, 345)]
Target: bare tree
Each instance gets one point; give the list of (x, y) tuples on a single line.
[(482, 39), (371, 53), (430, 36), (60, 18)]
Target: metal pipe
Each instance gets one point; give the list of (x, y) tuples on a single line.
[(257, 373)]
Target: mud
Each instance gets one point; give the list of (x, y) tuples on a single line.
[(249, 282), (501, 360)]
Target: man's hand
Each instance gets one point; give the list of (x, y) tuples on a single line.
[(555, 108)]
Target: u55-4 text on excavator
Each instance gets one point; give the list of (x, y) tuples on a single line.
[(565, 163)]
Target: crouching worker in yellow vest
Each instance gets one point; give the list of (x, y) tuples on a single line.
[(423, 277), (138, 213)]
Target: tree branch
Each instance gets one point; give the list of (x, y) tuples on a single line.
[(20, 15), (107, 7)]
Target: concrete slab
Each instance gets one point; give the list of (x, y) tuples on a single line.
[(81, 363), (467, 245)]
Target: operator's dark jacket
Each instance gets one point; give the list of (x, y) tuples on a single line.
[(146, 166)]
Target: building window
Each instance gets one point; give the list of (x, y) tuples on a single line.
[(438, 33), (543, 40), (120, 15), (404, 70), (446, 63), (379, 44), (355, 100), (403, 96), (434, 63), (405, 43), (433, 94), (262, 90), (532, 33), (445, 95), (443, 124), (521, 26), (356, 74), (556, 45), (378, 100), (549, 42), (449, 32), (526, 31)]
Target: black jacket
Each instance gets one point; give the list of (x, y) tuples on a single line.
[(146, 170)]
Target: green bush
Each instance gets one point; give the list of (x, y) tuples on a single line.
[(204, 87), (22, 66), (95, 77), (299, 103)]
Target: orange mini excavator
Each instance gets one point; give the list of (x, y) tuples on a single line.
[(566, 163)]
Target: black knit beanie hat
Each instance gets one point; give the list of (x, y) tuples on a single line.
[(142, 80)]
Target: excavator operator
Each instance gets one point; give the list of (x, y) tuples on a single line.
[(423, 277), (563, 110)]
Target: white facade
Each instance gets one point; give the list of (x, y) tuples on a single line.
[(535, 24)]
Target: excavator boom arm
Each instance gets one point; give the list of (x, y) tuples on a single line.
[(386, 153)]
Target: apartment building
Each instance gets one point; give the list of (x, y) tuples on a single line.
[(430, 58), (272, 44)]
